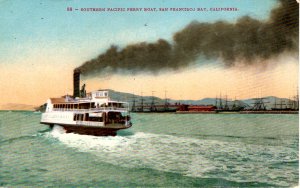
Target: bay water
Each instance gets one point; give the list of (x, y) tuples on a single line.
[(159, 150)]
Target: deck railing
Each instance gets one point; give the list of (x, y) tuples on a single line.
[(90, 109), (90, 123)]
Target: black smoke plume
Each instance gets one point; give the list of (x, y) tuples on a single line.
[(248, 41)]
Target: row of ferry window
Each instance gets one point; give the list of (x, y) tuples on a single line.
[(87, 105), (75, 106)]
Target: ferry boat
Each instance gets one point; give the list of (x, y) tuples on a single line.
[(93, 113)]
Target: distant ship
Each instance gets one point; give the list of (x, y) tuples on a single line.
[(93, 113), (153, 107), (196, 109)]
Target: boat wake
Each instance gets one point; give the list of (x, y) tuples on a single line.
[(233, 161)]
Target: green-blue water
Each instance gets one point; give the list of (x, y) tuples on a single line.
[(160, 150)]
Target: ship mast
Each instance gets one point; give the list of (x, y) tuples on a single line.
[(226, 103), (297, 100), (289, 105), (220, 102), (153, 107), (166, 101), (234, 105), (133, 104), (275, 104), (142, 102), (281, 104)]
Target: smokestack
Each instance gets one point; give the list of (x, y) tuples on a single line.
[(76, 83)]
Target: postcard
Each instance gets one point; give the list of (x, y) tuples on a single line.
[(149, 93)]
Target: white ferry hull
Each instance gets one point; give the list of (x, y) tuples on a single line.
[(90, 130)]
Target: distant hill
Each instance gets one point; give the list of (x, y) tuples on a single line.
[(128, 97), (14, 106)]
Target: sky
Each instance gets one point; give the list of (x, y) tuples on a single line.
[(41, 43)]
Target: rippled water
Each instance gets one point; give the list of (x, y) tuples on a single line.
[(182, 150)]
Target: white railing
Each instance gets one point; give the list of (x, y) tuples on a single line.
[(90, 109)]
